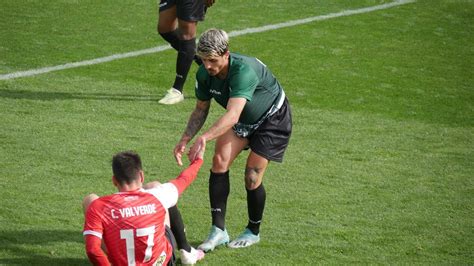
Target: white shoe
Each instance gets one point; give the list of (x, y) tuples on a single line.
[(190, 258), (247, 238), (172, 96), (216, 238)]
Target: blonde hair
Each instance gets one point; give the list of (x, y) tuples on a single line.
[(213, 42)]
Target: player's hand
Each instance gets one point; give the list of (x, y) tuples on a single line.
[(209, 3), (197, 150), (200, 154), (178, 152)]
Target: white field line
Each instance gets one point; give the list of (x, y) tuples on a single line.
[(157, 49)]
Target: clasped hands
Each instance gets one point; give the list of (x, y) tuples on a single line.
[(195, 151)]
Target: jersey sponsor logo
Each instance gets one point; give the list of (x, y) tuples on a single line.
[(131, 198), (161, 259), (133, 211), (215, 92)]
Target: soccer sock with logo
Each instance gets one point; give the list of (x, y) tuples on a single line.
[(177, 227), (219, 188), (186, 52), (256, 205)]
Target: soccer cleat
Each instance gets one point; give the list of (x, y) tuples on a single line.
[(247, 238), (172, 96), (216, 238), (190, 258)]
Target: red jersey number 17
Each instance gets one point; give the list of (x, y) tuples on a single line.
[(129, 237)]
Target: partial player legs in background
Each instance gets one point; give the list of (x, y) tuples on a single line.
[(177, 24)]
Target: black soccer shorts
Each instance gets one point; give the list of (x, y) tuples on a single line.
[(188, 10), (271, 138), (169, 235)]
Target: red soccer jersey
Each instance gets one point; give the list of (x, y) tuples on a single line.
[(131, 224)]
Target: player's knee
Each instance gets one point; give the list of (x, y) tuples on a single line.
[(251, 182), (252, 178), (220, 163), (187, 30), (187, 37)]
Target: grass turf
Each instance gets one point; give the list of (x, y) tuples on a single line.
[(379, 169)]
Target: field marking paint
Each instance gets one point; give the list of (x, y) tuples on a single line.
[(161, 48)]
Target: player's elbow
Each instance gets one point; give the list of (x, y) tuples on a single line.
[(234, 121), (92, 255), (94, 251), (233, 117), (97, 258)]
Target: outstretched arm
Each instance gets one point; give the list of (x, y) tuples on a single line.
[(189, 175), (195, 123)]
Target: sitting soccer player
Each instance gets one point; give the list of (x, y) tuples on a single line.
[(130, 227)]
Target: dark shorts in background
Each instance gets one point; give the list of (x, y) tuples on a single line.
[(188, 10), (271, 138)]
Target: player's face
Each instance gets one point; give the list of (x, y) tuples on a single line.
[(216, 65)]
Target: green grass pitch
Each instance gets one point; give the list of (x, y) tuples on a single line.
[(380, 165)]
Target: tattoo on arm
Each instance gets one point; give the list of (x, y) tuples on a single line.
[(196, 120)]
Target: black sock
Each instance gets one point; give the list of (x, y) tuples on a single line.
[(186, 52), (256, 205), (172, 38), (177, 227), (197, 60), (219, 188)]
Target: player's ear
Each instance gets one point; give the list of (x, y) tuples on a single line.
[(114, 181), (142, 176)]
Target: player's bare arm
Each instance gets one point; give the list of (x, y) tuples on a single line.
[(195, 123), (222, 125), (197, 119), (227, 120)]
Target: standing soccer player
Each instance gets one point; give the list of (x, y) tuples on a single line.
[(257, 116), (177, 24), (131, 225)]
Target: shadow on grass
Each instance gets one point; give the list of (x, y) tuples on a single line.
[(48, 96), (27, 247)]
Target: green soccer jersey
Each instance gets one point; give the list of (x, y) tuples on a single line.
[(247, 78)]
